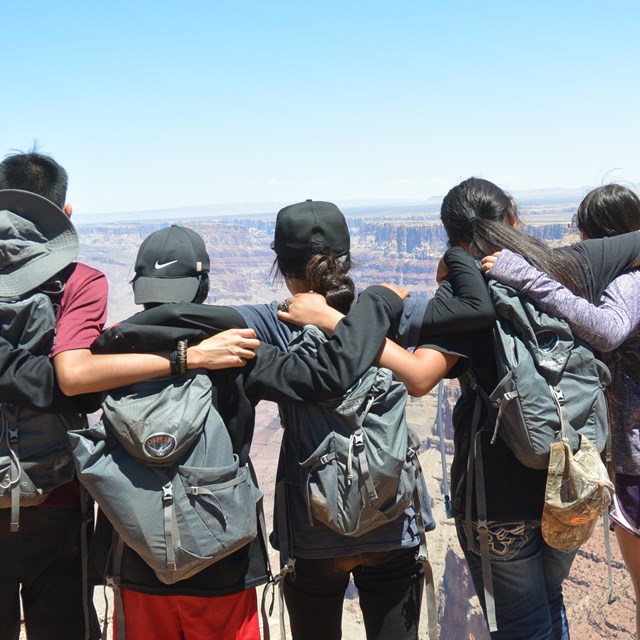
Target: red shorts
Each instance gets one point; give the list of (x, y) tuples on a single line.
[(148, 617)]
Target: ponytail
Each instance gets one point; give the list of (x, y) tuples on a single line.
[(478, 215), (324, 274)]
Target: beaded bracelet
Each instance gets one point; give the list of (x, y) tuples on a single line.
[(182, 356)]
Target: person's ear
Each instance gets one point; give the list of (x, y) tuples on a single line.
[(68, 209), (513, 221)]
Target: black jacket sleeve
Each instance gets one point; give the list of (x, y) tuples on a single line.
[(160, 328), (273, 374), (29, 380), (340, 361), (462, 303)]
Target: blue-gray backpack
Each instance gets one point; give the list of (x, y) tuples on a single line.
[(161, 466), (549, 382), (35, 453), (353, 458)]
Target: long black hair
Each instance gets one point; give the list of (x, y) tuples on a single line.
[(478, 215)]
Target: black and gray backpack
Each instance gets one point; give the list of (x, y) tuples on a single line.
[(161, 466), (35, 453), (550, 383), (354, 459)]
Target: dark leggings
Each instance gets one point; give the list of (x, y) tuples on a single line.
[(390, 586)]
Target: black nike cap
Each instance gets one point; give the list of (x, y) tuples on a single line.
[(169, 265)]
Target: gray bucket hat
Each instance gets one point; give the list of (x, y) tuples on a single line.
[(37, 240)]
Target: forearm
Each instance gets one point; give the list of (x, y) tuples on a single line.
[(420, 371), (81, 371), (605, 327)]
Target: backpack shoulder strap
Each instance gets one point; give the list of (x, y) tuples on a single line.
[(475, 475), (114, 580), (86, 509)]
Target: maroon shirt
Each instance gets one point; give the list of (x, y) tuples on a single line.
[(80, 317)]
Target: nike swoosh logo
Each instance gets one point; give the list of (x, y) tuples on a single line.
[(164, 264)]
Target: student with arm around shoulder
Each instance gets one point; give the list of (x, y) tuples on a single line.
[(611, 326), (479, 216)]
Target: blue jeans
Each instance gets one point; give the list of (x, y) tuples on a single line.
[(527, 580), (389, 583)]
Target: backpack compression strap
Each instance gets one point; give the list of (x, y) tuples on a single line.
[(12, 438), (423, 554), (262, 533), (287, 561), (86, 509), (475, 471), (113, 581)]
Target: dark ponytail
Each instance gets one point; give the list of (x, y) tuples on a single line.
[(477, 214), (328, 275), (324, 274)]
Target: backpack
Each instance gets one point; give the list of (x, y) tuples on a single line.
[(551, 389), (35, 453), (161, 466), (354, 459), (548, 378)]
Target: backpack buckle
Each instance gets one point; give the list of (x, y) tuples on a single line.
[(358, 440), (167, 494), (13, 434)]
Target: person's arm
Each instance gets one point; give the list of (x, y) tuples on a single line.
[(420, 370), (340, 361), (81, 371), (80, 319), (605, 327), (28, 380), (462, 303)]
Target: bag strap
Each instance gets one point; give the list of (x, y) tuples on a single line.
[(475, 472), (443, 454), (285, 542), (87, 520), (12, 437), (114, 581), (422, 555), (264, 541), (607, 547)]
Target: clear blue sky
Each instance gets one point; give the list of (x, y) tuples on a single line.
[(162, 104)]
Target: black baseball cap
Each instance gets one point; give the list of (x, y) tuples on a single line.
[(169, 265), (310, 227)]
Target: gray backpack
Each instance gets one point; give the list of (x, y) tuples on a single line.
[(548, 378), (35, 453), (354, 459), (160, 465), (551, 387)]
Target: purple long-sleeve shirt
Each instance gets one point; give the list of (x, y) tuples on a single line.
[(613, 326)]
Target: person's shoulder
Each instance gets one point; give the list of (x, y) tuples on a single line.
[(79, 275), (81, 270), (82, 282)]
